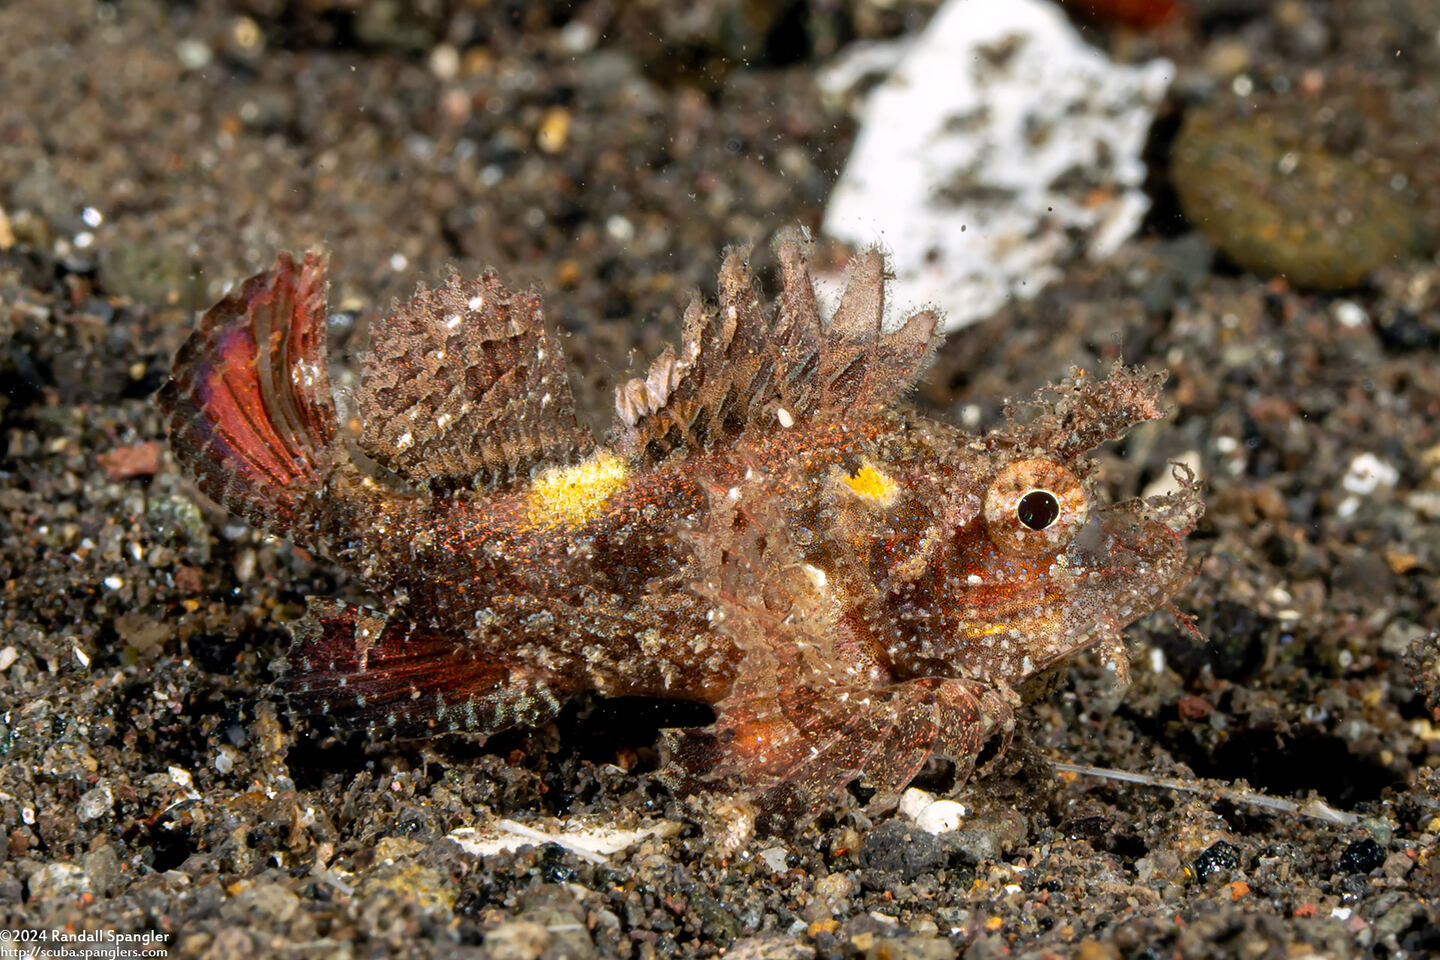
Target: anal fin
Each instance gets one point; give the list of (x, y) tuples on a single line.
[(364, 667)]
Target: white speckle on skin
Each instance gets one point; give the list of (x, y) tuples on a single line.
[(405, 441), (305, 373), (475, 303), (784, 417)]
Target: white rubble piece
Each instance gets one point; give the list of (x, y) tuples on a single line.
[(1000, 145), (931, 814), (589, 841)]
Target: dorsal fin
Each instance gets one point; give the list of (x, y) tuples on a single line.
[(463, 386), (738, 370)]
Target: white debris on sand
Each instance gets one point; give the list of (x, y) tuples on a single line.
[(931, 814), (1001, 144), (593, 842)]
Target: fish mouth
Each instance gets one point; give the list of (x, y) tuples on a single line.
[(1135, 551), (1152, 527)]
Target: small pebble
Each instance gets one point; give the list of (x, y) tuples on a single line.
[(58, 880), (1218, 860), (95, 803), (1362, 856)]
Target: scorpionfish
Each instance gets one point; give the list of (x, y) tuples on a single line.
[(852, 588)]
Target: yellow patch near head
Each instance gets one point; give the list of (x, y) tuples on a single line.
[(871, 484), (575, 494)]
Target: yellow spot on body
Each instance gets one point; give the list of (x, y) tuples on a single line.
[(871, 484), (576, 494)]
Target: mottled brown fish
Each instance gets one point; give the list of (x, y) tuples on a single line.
[(853, 588)]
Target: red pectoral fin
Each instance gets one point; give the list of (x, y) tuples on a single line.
[(362, 666), (797, 753)]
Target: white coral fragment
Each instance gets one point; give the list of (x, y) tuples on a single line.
[(999, 137)]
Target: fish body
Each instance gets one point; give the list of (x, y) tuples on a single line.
[(853, 588)]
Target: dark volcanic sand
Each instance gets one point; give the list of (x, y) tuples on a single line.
[(148, 783)]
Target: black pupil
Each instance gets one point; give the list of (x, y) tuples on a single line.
[(1038, 509)]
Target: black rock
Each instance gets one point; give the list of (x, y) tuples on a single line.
[(904, 850), (1218, 857), (1362, 856)]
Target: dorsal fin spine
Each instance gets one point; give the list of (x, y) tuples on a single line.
[(739, 370), (464, 386)]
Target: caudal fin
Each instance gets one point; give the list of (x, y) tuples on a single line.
[(249, 406)]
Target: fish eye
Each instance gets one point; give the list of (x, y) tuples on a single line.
[(1037, 509)]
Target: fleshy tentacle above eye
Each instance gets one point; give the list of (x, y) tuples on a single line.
[(1082, 412)]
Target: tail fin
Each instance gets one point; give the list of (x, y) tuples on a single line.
[(249, 406)]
